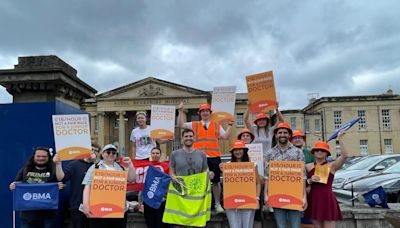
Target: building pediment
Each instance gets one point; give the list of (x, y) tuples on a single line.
[(151, 88)]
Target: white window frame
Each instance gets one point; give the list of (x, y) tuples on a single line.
[(337, 119), (293, 122), (362, 124), (363, 147), (317, 125), (388, 146), (307, 125), (386, 120), (239, 119)]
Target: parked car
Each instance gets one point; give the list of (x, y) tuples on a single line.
[(364, 168), (353, 160), (389, 179)]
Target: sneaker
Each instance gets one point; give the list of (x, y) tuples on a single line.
[(219, 209)]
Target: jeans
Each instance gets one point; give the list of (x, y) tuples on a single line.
[(42, 223), (282, 216), (78, 219)]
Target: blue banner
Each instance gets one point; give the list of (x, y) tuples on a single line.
[(155, 187), (376, 197), (344, 127), (28, 197)]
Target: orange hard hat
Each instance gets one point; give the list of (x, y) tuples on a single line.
[(204, 106), (283, 125), (320, 145), (299, 133), (246, 131), (238, 144), (261, 116)]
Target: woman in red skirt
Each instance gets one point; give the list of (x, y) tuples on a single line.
[(323, 208)]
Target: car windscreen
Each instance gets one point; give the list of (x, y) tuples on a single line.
[(364, 163), (393, 169)]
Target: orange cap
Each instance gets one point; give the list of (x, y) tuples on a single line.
[(283, 125), (320, 145), (261, 116), (239, 144), (204, 106), (299, 133), (246, 131)]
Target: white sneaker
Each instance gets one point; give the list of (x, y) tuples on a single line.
[(219, 209)]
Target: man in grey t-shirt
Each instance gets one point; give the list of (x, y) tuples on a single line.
[(187, 161)]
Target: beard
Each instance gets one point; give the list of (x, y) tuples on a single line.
[(41, 165), (283, 140)]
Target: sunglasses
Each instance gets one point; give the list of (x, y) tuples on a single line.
[(111, 152), (323, 151)]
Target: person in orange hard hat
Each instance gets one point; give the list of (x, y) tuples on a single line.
[(206, 136), (246, 136), (242, 218), (323, 208), (284, 151), (263, 128), (298, 140)]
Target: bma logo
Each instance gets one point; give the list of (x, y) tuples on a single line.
[(153, 187), (36, 196)]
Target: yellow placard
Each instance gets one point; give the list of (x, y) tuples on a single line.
[(239, 185), (108, 193), (72, 136), (286, 184), (322, 171), (261, 92)]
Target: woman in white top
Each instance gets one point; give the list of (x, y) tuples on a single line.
[(109, 158), (261, 129)]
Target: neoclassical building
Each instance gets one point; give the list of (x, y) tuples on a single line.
[(113, 112)]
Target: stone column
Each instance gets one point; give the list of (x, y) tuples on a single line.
[(100, 134), (121, 130)]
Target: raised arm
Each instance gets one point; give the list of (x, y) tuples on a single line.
[(280, 117), (59, 171), (181, 122), (336, 165)]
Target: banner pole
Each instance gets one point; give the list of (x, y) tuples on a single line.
[(13, 218)]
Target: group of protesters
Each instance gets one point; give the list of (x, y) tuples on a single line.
[(200, 153)]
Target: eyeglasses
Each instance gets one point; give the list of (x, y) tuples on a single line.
[(111, 152)]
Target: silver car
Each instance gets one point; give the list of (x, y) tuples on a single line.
[(364, 168)]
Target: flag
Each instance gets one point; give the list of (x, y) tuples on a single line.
[(155, 187), (35, 196), (344, 127), (375, 197)]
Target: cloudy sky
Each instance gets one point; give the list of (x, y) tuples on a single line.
[(333, 48)]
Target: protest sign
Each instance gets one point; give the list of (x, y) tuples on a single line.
[(256, 155), (72, 136), (41, 196), (162, 122), (107, 193), (141, 167), (286, 184), (261, 92), (240, 185), (322, 171), (223, 103)]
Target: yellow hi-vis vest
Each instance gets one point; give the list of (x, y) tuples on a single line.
[(189, 201)]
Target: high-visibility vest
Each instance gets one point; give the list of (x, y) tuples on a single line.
[(189, 201), (206, 140)]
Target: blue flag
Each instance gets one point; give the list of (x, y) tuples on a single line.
[(375, 197), (345, 127), (35, 196), (155, 187)]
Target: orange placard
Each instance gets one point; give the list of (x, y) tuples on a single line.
[(286, 184), (108, 193), (261, 92), (323, 172), (239, 185)]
